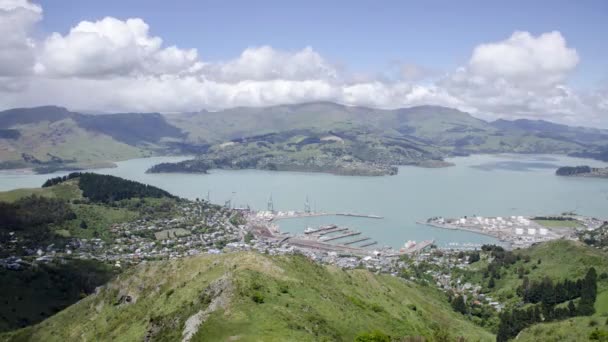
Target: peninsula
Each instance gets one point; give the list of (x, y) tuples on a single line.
[(582, 171)]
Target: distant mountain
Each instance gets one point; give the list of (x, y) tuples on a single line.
[(42, 135), (51, 138)]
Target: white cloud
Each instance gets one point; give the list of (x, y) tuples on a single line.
[(265, 63), (17, 18), (111, 47), (525, 60), (129, 69)]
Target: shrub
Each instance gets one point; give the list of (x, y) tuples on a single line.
[(258, 298), (373, 336)]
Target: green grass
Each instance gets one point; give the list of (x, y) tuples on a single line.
[(98, 218), (66, 191), (296, 300), (559, 223), (572, 329)]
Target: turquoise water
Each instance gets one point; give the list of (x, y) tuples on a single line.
[(487, 185)]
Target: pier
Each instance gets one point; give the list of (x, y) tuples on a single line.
[(368, 244), (331, 226), (334, 230), (341, 236), (356, 241)]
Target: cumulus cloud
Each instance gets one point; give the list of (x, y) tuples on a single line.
[(17, 18), (265, 63), (525, 60), (522, 76), (130, 69), (111, 47)]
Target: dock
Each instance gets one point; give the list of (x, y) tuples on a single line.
[(368, 244), (331, 226), (334, 230), (416, 248), (356, 241), (328, 247), (341, 236), (360, 215)]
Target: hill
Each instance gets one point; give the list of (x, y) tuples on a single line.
[(53, 138), (61, 241), (329, 137), (252, 297), (553, 283)]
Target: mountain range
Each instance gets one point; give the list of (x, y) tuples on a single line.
[(50, 138)]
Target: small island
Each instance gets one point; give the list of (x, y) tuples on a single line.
[(582, 171)]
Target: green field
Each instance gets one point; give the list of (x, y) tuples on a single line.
[(559, 223), (256, 298), (66, 191)]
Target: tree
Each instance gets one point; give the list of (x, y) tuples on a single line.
[(83, 225), (459, 305), (491, 283), (571, 308)]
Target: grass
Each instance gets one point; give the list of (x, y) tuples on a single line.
[(296, 299), (98, 218), (572, 329), (559, 259), (66, 191), (559, 223)]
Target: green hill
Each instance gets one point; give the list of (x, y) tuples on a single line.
[(252, 297), (51, 138), (544, 279)]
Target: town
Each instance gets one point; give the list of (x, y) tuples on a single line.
[(197, 227)]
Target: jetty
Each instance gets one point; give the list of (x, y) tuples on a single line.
[(356, 241), (314, 231), (341, 236), (334, 230)]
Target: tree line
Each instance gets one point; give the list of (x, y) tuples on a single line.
[(106, 189), (548, 295)]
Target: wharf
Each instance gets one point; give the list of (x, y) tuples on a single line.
[(334, 230), (356, 241), (331, 226), (327, 247), (341, 236)]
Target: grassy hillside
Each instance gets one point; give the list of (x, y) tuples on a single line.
[(559, 260), (64, 191), (252, 297), (50, 138)]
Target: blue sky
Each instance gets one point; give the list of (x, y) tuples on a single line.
[(493, 59), (364, 35)]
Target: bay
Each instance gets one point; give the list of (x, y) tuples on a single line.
[(486, 185)]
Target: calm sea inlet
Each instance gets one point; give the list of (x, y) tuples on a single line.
[(486, 185)]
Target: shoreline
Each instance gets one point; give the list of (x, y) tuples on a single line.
[(471, 230)]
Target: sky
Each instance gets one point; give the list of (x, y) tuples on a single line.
[(494, 59)]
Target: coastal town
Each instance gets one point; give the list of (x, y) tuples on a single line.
[(197, 227)]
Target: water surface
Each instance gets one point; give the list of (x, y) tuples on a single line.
[(487, 185)]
